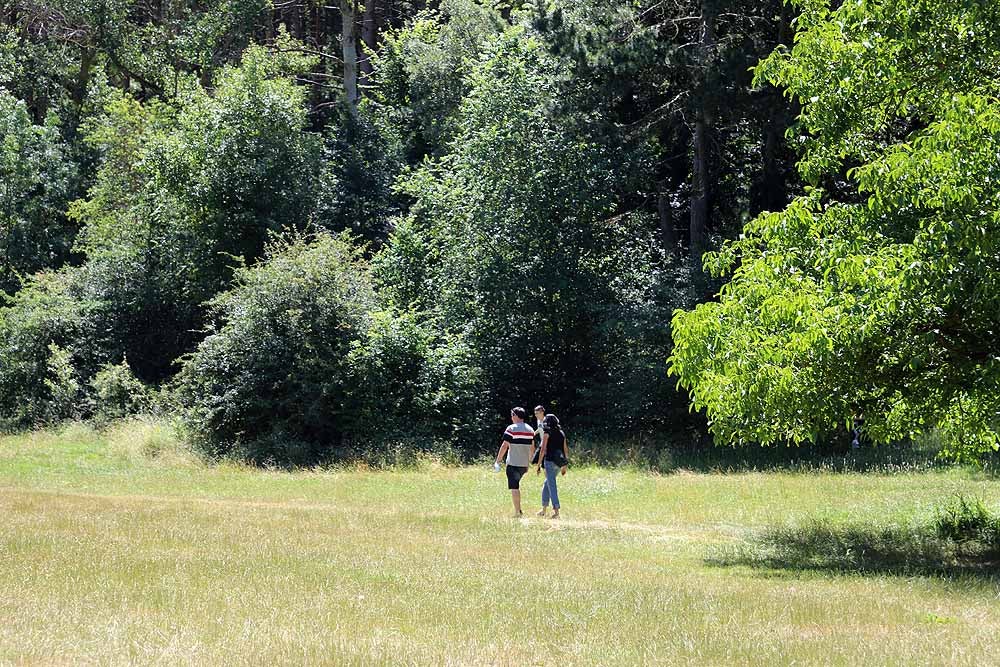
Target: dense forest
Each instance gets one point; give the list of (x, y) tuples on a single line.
[(308, 228)]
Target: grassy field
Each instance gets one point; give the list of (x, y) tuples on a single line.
[(119, 548)]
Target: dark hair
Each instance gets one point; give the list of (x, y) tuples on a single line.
[(540, 408), (551, 421), (521, 414)]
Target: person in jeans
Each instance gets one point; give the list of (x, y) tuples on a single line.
[(554, 456), (519, 445)]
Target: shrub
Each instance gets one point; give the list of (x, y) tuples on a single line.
[(50, 346), (302, 366), (63, 385), (118, 392), (270, 383), (408, 383), (95, 316)]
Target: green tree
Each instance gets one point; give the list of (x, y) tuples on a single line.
[(883, 304), (514, 241), (186, 192), (673, 78), (361, 160), (421, 71), (50, 342), (145, 47), (37, 180)]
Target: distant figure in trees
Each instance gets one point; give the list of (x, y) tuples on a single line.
[(519, 445), (554, 456), (859, 422)]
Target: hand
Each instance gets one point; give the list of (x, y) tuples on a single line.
[(563, 470), (538, 470)]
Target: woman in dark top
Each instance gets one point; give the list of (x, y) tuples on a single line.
[(554, 456)]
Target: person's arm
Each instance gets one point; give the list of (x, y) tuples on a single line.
[(541, 455), (565, 453), (504, 446)]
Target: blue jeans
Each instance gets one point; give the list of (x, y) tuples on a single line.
[(549, 489)]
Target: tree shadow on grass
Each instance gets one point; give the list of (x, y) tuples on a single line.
[(821, 546)]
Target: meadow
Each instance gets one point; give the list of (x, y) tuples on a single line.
[(120, 547)]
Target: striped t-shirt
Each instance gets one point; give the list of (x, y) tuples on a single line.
[(519, 437)]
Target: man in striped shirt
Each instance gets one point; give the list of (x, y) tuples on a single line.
[(519, 445)]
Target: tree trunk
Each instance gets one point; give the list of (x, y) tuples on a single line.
[(83, 76), (699, 191), (371, 26), (700, 183), (349, 39), (772, 194), (10, 15), (668, 233), (774, 197), (785, 25), (672, 178)]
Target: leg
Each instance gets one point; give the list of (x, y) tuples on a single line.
[(551, 472), (545, 500), (514, 475)]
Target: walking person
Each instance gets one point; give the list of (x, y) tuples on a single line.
[(539, 419), (554, 456), (519, 445)]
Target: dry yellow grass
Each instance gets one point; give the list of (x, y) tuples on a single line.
[(113, 551)]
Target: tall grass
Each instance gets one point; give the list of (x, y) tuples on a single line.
[(146, 438)]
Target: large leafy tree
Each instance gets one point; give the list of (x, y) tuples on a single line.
[(515, 239), (37, 180), (186, 192), (882, 303), (421, 76), (677, 75)]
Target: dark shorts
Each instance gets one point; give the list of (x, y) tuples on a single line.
[(514, 475)]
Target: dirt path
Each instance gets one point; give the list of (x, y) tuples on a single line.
[(658, 532)]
